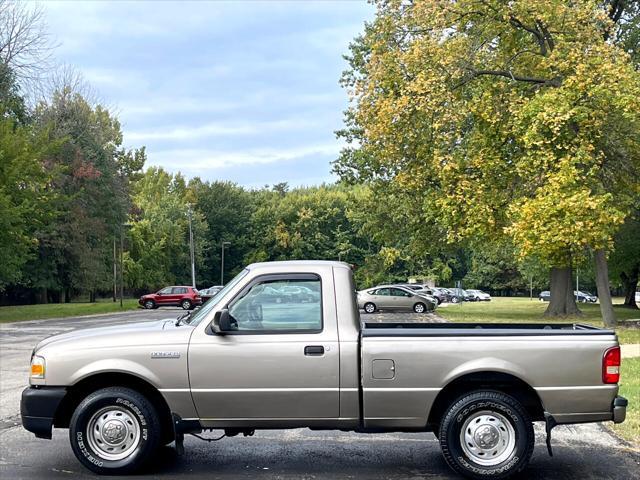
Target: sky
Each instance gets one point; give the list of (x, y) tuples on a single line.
[(246, 91)]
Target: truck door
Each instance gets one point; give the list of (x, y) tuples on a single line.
[(280, 362)]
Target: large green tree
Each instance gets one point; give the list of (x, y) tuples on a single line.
[(512, 121), (625, 260), (23, 184), (227, 209), (88, 191), (158, 233)]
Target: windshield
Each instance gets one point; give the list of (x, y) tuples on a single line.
[(203, 311)]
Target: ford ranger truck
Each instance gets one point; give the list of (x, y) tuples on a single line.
[(251, 358)]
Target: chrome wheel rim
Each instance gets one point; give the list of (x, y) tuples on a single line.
[(186, 305), (113, 433), (149, 304), (369, 308), (419, 308), (488, 438)]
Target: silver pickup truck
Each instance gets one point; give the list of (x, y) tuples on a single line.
[(253, 358)]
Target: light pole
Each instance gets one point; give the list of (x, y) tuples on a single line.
[(224, 244), (124, 226), (115, 271), (121, 265), (191, 248)]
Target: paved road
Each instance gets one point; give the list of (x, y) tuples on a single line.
[(581, 452)]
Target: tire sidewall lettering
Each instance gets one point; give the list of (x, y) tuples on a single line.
[(134, 409), (142, 411), (487, 406)]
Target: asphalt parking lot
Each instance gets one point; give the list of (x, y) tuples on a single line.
[(581, 452)]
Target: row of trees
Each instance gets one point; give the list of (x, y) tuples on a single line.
[(455, 173)]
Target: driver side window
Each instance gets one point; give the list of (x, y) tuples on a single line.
[(165, 291), (279, 305)]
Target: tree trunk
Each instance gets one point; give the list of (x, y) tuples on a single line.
[(563, 301), (604, 293), (630, 283), (67, 295), (42, 295)]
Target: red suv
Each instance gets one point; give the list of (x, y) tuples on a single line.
[(185, 297)]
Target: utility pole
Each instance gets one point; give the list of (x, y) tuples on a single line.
[(224, 244), (577, 282), (531, 287), (191, 248), (115, 270), (121, 265)]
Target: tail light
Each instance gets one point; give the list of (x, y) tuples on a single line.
[(611, 365)]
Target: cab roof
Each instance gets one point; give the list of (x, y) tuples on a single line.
[(299, 263)]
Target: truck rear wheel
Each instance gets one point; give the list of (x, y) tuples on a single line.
[(486, 434), (114, 430)]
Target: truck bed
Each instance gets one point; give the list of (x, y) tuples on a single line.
[(405, 366), (406, 329)]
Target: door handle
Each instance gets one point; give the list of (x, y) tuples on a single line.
[(314, 350)]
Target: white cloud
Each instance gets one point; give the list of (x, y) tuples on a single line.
[(197, 160), (219, 129)]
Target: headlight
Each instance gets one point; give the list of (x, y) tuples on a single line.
[(37, 367)]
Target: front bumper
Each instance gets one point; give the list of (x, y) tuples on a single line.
[(619, 409), (38, 408)]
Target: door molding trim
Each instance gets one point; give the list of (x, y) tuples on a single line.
[(230, 390)]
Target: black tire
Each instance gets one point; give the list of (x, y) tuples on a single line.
[(133, 407), (370, 307), (472, 406), (186, 304), (420, 308), (149, 304)]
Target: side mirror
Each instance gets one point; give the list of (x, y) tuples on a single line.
[(221, 322)]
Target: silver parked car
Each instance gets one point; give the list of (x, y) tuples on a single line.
[(394, 297), (479, 295)]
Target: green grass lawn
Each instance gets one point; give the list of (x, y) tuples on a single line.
[(521, 310), (58, 310), (630, 389)]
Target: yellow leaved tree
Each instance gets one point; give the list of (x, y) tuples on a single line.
[(512, 120)]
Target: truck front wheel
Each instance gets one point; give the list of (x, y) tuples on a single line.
[(486, 434), (114, 430)]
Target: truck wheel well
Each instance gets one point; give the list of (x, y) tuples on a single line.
[(79, 391), (497, 381)]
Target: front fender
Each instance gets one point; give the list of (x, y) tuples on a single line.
[(115, 365)]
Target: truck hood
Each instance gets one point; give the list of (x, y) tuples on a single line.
[(115, 333)]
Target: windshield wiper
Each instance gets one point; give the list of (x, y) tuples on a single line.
[(184, 316)]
